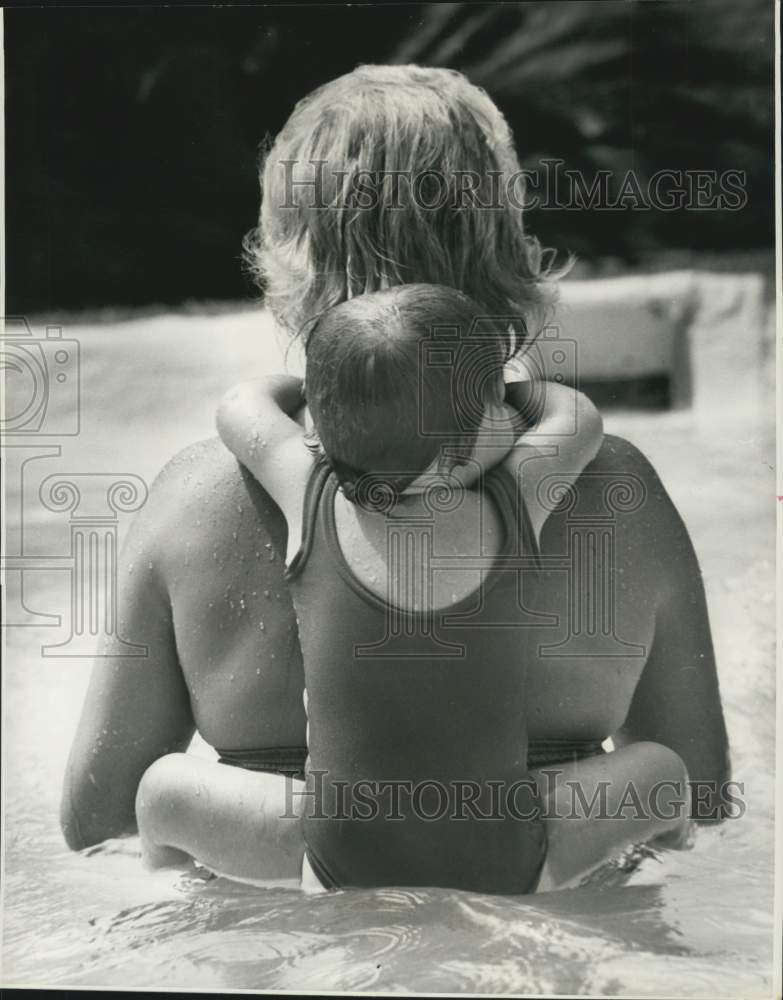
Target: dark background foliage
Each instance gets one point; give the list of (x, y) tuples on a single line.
[(132, 133)]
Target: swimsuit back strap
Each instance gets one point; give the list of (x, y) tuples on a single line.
[(272, 760), (506, 494), (319, 474)]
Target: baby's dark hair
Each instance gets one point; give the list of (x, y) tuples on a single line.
[(399, 378)]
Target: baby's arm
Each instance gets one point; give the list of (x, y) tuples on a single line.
[(565, 439), (256, 418), (255, 422)]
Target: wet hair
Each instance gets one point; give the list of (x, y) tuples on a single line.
[(398, 379), (319, 242)]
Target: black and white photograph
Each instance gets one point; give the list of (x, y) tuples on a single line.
[(391, 498)]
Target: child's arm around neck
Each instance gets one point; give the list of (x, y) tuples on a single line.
[(562, 443), (255, 422)]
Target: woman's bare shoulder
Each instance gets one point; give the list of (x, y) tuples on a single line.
[(625, 484), (617, 454), (203, 496), (208, 463)]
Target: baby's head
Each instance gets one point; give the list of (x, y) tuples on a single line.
[(395, 175), (400, 381)]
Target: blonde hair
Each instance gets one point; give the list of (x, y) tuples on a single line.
[(318, 245)]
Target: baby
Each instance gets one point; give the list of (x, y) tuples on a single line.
[(413, 519)]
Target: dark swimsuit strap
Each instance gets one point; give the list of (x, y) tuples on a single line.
[(289, 761), (501, 483), (498, 483), (319, 475), (551, 751)]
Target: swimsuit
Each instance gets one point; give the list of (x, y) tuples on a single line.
[(430, 703), (551, 752), (290, 761)]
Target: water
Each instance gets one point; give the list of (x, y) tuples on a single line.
[(695, 923)]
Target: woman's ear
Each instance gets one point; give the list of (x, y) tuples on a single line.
[(313, 442)]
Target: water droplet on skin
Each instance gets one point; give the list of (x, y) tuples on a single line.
[(234, 535), (130, 567), (373, 579), (266, 593), (242, 603), (258, 671), (271, 556), (261, 626), (231, 678), (239, 508), (268, 545), (211, 604), (149, 565)]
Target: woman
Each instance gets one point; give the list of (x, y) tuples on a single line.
[(353, 202)]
